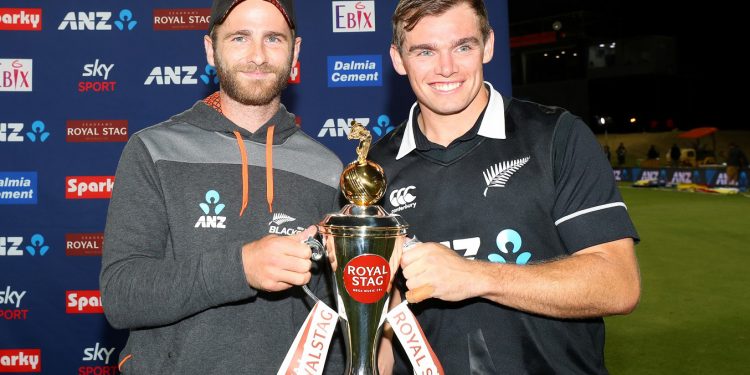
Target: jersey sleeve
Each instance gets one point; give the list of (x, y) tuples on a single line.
[(588, 208)]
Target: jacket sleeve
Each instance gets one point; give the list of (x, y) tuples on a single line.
[(141, 286)]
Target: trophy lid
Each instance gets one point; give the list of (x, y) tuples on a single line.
[(372, 217)]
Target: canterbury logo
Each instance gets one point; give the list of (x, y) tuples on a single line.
[(499, 174), (402, 196), (279, 218)]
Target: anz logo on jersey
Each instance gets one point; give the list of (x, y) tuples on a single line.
[(509, 248)]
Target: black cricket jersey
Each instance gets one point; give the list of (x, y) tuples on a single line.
[(528, 183)]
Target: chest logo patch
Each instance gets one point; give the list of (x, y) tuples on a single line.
[(498, 175), (278, 219), (402, 199), (212, 206)]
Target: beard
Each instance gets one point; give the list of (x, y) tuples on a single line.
[(259, 93)]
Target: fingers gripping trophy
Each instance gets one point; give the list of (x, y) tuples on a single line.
[(365, 243)]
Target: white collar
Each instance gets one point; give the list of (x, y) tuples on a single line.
[(492, 126)]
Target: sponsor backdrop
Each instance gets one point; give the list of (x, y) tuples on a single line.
[(78, 78)]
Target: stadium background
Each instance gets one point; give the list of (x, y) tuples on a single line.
[(72, 84)]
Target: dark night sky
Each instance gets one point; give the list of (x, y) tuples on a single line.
[(707, 39)]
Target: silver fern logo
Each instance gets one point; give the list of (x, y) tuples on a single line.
[(279, 218), (499, 174)]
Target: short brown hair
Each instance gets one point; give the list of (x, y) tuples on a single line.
[(409, 12)]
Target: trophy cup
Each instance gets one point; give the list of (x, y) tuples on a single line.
[(366, 242)]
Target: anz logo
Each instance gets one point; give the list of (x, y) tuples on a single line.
[(13, 132), (181, 75), (339, 127), (13, 246), (96, 21), (209, 207)]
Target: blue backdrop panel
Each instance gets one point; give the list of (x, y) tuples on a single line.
[(78, 77)]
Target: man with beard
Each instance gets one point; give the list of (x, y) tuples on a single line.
[(200, 267)]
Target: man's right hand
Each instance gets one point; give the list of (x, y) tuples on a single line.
[(275, 263)]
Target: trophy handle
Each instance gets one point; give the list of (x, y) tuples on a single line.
[(318, 253)]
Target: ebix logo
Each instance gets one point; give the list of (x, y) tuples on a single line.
[(355, 71), (353, 16), (16, 75)]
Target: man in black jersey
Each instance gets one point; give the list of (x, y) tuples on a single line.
[(526, 241)]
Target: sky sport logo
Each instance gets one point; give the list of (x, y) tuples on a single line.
[(16, 75), (353, 16), (10, 304), (355, 71), (21, 19), (99, 81)]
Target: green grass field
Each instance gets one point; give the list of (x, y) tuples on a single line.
[(694, 314)]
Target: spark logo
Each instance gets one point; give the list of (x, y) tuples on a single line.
[(172, 75), (96, 131), (16, 75), (84, 244), (353, 16), (97, 353), (20, 360), (95, 70), (10, 304), (97, 21), (355, 71), (89, 187), (83, 302), (181, 19), (18, 188), (211, 221), (21, 19), (294, 75)]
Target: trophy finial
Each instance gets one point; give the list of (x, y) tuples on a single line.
[(358, 131), (363, 181)]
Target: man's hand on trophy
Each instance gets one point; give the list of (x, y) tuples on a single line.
[(435, 271), (275, 263)]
